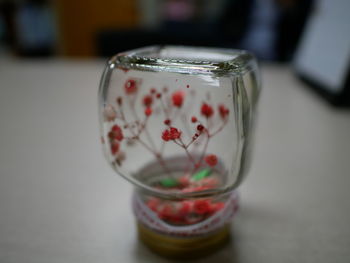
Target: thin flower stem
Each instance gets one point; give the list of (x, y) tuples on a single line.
[(187, 152), (148, 134), (146, 146), (143, 127), (176, 114), (188, 145), (185, 123), (154, 152), (165, 110), (162, 146), (178, 143), (220, 128), (186, 109), (203, 152), (204, 148)]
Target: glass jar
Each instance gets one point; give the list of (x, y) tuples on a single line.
[(176, 122)]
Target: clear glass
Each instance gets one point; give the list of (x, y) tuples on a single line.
[(177, 123)]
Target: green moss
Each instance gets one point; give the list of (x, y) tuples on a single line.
[(201, 174)]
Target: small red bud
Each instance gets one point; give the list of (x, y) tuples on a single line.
[(200, 127), (148, 111), (119, 100)]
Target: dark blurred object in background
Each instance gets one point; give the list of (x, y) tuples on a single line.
[(269, 28), (293, 17), (323, 56), (35, 29), (29, 28), (7, 14), (183, 22)]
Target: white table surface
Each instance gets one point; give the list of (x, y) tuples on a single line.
[(61, 202)]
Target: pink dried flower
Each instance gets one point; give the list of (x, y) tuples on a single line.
[(109, 113)]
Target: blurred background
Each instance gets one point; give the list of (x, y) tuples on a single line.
[(312, 34), (102, 28)]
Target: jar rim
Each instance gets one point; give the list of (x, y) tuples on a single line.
[(186, 60)]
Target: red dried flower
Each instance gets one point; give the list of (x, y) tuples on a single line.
[(201, 207), (171, 134), (148, 111), (166, 135), (153, 90), (207, 110), (167, 122), (147, 100), (116, 133), (185, 208), (200, 127), (194, 119), (130, 86), (159, 95), (211, 159), (175, 133), (166, 213), (114, 147), (223, 111), (178, 98)]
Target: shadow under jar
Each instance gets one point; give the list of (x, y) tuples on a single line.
[(176, 122)]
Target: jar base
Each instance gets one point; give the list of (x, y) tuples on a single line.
[(183, 247)]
